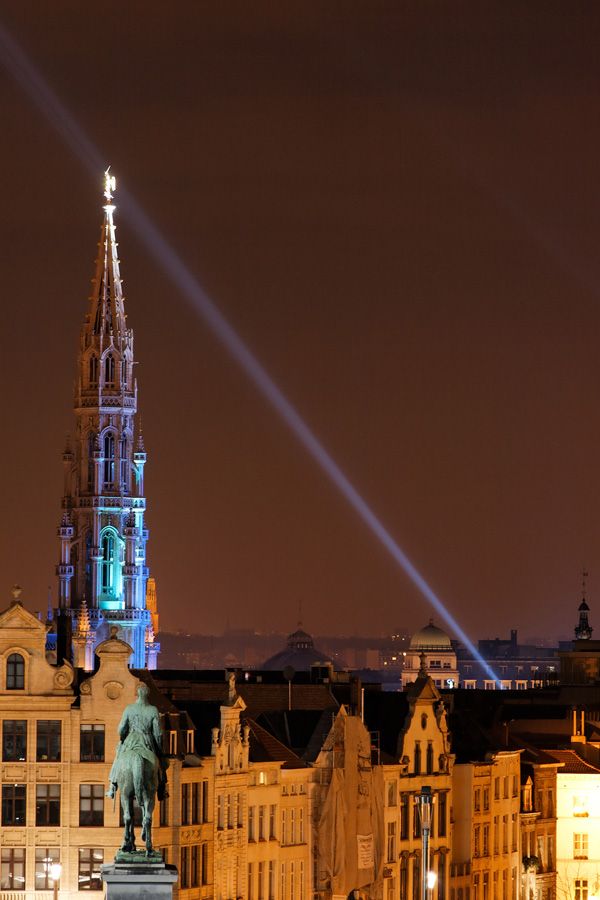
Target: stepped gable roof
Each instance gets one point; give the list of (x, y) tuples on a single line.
[(572, 763), (264, 747)]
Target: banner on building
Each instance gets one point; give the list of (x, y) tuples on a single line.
[(366, 854)]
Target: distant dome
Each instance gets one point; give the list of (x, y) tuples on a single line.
[(430, 638), (300, 654)]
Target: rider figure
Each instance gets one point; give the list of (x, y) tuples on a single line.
[(140, 731)]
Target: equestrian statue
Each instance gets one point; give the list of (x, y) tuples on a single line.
[(139, 768)]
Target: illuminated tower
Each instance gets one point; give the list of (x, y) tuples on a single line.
[(102, 531), (583, 630)]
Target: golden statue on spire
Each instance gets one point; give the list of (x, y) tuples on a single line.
[(110, 183)]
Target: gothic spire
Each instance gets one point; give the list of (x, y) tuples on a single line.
[(107, 310)]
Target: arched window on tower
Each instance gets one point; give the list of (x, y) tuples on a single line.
[(90, 461), (109, 371), (93, 370), (108, 563), (109, 460), (124, 373), (124, 464), (15, 672)]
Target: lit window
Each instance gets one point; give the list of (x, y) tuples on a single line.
[(14, 740), (90, 865), (109, 459), (45, 858), (91, 743), (91, 804), (13, 869), (580, 846)]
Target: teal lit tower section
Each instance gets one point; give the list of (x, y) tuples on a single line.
[(102, 571)]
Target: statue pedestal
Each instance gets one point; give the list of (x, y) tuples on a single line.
[(135, 876)]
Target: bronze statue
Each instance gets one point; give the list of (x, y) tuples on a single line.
[(139, 768)]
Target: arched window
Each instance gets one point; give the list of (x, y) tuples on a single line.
[(15, 672), (417, 758), (124, 372), (123, 463), (93, 370), (109, 370), (90, 461), (430, 759), (109, 563), (109, 459)]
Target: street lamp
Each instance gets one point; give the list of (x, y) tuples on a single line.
[(428, 878), (55, 871)]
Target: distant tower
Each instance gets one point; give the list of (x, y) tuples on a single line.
[(152, 602), (583, 631), (102, 571)]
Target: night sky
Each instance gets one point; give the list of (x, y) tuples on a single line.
[(397, 205)]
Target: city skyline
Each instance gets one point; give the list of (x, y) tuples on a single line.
[(411, 268)]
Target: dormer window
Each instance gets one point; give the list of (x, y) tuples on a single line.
[(172, 743), (189, 741), (15, 672)]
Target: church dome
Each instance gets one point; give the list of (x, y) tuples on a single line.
[(300, 653), (430, 638)]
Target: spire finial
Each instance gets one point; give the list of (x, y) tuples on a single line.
[(110, 184)]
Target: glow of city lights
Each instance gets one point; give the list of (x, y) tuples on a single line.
[(33, 83)]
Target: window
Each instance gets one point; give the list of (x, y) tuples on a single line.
[(240, 811), (486, 840), (477, 841), (417, 758), (251, 823), (45, 857), (505, 834), (196, 803), (477, 800), (442, 814), (91, 743), (93, 370), (495, 835), (194, 869), (496, 788), (204, 863), (14, 804), (403, 877), (185, 804), (284, 817), (12, 877), (505, 787), (230, 810), (404, 816), (391, 793), (271, 891), (91, 804), (581, 889), (163, 812), (486, 798), (250, 881), (47, 804), (391, 889), (109, 370), (108, 564), (301, 827), (515, 785), (48, 741), (15, 672), (205, 801), (416, 877), (391, 842), (90, 863), (416, 824), (14, 740), (261, 827), (272, 822), (109, 459), (184, 872), (580, 846), (580, 806), (429, 762), (261, 880), (441, 884)]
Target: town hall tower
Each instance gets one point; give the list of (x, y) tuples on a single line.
[(102, 572)]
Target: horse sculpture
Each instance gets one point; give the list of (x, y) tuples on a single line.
[(138, 771)]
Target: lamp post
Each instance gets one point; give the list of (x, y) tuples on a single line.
[(428, 879), (55, 871)]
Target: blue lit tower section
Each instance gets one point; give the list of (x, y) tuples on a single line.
[(102, 532)]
